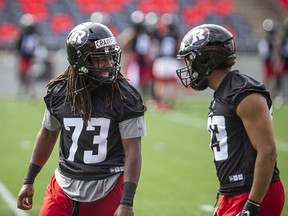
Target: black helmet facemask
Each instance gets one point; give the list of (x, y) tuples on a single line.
[(89, 70), (194, 76)]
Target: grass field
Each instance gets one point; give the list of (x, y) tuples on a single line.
[(178, 176)]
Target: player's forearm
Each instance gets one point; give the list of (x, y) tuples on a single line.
[(263, 172), (132, 171), (43, 146), (133, 160), (132, 168)]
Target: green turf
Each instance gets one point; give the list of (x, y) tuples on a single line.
[(178, 176)]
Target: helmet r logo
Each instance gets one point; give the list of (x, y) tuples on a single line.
[(199, 37), (77, 37)]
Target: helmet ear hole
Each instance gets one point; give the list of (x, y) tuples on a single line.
[(79, 53)]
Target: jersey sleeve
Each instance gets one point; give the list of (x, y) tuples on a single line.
[(50, 122), (133, 128), (242, 86)]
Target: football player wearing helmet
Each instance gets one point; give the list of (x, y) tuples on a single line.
[(239, 121), (100, 119)]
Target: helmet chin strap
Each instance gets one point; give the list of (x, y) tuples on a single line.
[(201, 81)]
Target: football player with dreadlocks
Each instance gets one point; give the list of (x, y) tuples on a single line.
[(239, 121), (100, 119)]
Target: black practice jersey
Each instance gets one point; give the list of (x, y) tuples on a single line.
[(93, 151), (234, 155)]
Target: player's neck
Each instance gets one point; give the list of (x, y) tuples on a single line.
[(217, 77)]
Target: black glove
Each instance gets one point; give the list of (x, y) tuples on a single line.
[(215, 212), (251, 208)]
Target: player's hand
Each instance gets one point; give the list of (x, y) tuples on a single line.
[(246, 213), (124, 210), (25, 197), (215, 212), (251, 208)]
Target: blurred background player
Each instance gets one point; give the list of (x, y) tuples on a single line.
[(26, 46), (105, 19), (282, 97), (138, 45), (164, 66), (268, 55)]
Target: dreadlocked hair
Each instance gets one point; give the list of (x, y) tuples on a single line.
[(78, 92)]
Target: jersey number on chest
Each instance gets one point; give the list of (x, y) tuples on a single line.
[(100, 140)]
